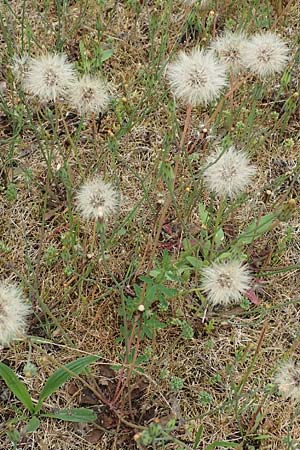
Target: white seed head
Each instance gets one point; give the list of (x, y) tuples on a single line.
[(265, 54), (229, 49), (228, 173), (14, 311), (49, 76), (288, 380), (97, 199), (226, 282), (197, 77), (20, 66), (89, 95)]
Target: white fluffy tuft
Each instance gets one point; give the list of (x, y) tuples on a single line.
[(89, 95), (197, 77), (49, 76), (229, 49), (228, 173), (13, 313), (288, 380), (226, 282), (265, 54), (97, 199)]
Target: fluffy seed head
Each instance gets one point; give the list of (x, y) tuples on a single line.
[(13, 313), (97, 199), (288, 380), (19, 67), (196, 77), (229, 48), (49, 76), (265, 54), (228, 173), (89, 95), (225, 282)]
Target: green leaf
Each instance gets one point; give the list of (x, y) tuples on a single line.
[(14, 436), (195, 262), (203, 213), (16, 386), (219, 237), (106, 54), (198, 437), (73, 415), (222, 444), (257, 228), (33, 424), (60, 376)]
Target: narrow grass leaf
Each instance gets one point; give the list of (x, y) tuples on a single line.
[(63, 374), (16, 386), (198, 437), (257, 228), (73, 415)]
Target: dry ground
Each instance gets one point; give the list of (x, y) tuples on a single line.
[(133, 139)]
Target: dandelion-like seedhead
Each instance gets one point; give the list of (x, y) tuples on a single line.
[(265, 54), (89, 95), (197, 77), (226, 282), (288, 379), (97, 199), (229, 49), (20, 66), (228, 173), (13, 313), (49, 76)]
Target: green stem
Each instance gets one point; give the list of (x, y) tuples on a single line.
[(221, 209)]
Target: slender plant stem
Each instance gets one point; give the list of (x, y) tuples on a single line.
[(152, 254), (220, 211)]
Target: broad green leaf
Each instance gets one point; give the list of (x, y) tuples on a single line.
[(219, 237), (203, 213), (73, 415), (60, 376), (16, 386), (33, 424), (222, 444), (106, 54), (257, 228)]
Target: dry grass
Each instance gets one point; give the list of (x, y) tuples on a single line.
[(129, 151)]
